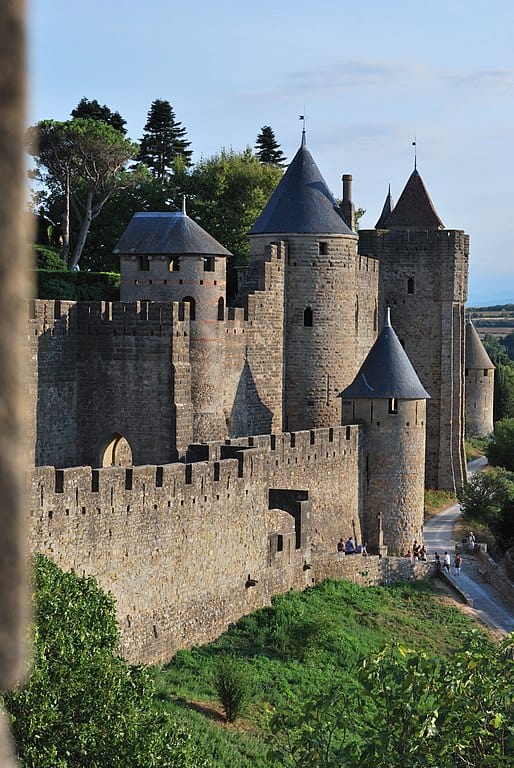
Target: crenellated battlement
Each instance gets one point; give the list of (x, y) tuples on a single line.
[(94, 317), (225, 463)]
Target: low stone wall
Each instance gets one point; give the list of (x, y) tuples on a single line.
[(496, 578), (372, 571)]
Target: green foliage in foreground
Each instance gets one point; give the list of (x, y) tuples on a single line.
[(78, 286), (301, 648), (83, 705), (408, 709)]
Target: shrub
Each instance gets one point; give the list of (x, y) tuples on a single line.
[(500, 451), (48, 258), (78, 286), (232, 686)]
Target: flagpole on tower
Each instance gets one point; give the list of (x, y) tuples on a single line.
[(414, 144), (303, 118)]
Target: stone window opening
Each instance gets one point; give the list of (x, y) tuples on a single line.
[(280, 543), (173, 264), (410, 285), (209, 264), (393, 405), (221, 308), (486, 372), (307, 317), (144, 263), (192, 306), (323, 248)]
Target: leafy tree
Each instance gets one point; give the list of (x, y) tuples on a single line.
[(508, 343), (164, 141), (83, 705), (95, 111), (488, 498), (500, 450), (408, 709), (503, 404), (268, 149), (82, 162), (495, 349)]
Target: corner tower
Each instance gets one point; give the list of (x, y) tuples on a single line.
[(423, 278), (388, 400), (479, 386), (330, 294)]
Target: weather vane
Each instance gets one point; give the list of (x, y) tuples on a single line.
[(303, 118), (414, 144)]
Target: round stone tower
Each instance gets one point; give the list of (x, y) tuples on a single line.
[(168, 257), (389, 402), (330, 295), (479, 380)]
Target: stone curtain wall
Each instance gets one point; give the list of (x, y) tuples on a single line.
[(428, 316), (176, 544), (102, 368)]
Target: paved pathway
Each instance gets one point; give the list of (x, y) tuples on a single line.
[(488, 604)]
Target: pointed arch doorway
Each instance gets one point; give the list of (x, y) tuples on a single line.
[(117, 452)]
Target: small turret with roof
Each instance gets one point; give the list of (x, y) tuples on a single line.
[(329, 294), (414, 208), (479, 386), (388, 400)]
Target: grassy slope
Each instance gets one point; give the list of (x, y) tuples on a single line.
[(304, 643)]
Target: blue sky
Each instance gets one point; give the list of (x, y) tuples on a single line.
[(370, 75)]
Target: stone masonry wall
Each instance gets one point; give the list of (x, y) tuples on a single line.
[(392, 452), (479, 401), (423, 278), (188, 548), (99, 369)]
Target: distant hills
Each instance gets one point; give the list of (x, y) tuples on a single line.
[(497, 319)]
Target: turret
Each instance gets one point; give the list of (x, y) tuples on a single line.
[(388, 400), (330, 294), (168, 257), (479, 375)]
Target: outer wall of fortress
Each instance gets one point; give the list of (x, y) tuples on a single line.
[(187, 549)]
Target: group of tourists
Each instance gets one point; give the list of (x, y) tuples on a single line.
[(349, 547), (445, 563), (418, 552)]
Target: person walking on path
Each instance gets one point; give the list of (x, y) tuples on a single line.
[(457, 564), (446, 562)]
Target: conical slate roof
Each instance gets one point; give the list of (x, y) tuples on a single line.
[(386, 210), (476, 356), (171, 232), (386, 372), (302, 203), (414, 208)]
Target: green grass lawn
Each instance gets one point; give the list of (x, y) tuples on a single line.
[(303, 644)]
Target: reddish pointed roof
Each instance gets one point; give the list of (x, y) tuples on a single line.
[(414, 208)]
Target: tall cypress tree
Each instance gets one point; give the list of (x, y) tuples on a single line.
[(268, 148), (163, 141)]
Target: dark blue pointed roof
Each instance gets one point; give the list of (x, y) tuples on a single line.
[(476, 355), (170, 232), (386, 210), (386, 372), (302, 203)]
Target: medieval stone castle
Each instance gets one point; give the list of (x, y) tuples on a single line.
[(199, 458)]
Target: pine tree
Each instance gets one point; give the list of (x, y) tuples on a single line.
[(95, 111), (163, 141), (268, 148)]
